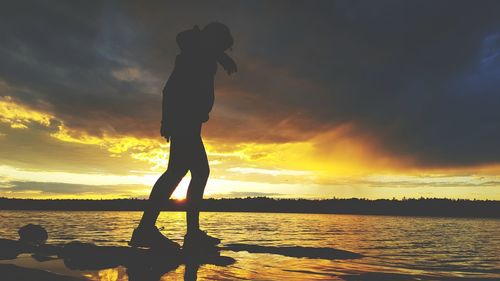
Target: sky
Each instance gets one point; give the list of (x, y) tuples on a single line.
[(367, 99)]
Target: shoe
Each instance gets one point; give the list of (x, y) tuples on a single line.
[(199, 239), (152, 238)]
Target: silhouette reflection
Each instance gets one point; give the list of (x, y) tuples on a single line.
[(140, 264)]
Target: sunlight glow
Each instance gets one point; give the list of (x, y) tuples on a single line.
[(337, 162)]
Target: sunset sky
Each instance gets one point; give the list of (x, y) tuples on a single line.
[(369, 99)]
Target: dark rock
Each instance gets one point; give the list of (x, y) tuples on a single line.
[(33, 234), (10, 249), (297, 251), (9, 272), (42, 258)]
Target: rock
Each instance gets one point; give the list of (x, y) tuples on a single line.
[(296, 251), (10, 249), (33, 234), (10, 272)]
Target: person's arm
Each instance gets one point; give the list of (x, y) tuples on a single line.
[(227, 63)]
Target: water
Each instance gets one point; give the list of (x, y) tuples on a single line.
[(412, 246)]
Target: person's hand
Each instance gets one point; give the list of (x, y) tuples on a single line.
[(228, 64)]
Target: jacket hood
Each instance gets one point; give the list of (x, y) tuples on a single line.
[(189, 39)]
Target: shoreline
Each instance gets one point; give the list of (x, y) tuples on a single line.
[(382, 207)]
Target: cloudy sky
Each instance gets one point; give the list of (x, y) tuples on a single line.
[(372, 99)]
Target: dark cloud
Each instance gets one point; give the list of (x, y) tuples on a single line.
[(419, 76), (65, 56)]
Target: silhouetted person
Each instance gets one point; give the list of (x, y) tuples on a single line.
[(188, 98)]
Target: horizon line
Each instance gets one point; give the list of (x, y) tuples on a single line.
[(266, 197)]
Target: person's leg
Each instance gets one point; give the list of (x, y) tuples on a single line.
[(166, 183), (199, 168), (200, 171), (162, 190)]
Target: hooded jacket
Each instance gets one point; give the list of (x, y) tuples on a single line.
[(188, 95)]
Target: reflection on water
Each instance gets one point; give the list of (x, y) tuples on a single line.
[(110, 274), (442, 247)]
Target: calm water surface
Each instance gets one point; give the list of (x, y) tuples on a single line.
[(428, 247)]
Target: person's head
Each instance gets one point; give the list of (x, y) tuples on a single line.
[(217, 37)]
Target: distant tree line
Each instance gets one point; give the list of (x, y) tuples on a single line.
[(404, 207)]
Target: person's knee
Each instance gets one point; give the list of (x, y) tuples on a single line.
[(200, 173), (176, 172), (197, 186), (165, 184)]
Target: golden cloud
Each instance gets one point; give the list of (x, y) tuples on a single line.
[(339, 157), (19, 116)]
